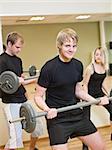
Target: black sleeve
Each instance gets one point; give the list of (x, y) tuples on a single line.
[(21, 64), (81, 77), (44, 78), (79, 66), (3, 65)]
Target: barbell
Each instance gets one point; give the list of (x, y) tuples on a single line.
[(28, 115), (9, 81), (32, 70)]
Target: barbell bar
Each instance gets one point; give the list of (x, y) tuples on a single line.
[(28, 116), (9, 81), (32, 70)]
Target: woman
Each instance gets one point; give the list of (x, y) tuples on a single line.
[(94, 76)]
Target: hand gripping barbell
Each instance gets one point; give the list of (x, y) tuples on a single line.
[(9, 81), (32, 70), (28, 115)]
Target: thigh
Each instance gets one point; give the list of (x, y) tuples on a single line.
[(15, 129), (11, 112), (94, 141)]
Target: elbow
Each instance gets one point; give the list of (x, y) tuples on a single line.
[(77, 94)]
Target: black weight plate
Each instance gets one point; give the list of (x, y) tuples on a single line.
[(32, 70), (28, 112), (10, 82)]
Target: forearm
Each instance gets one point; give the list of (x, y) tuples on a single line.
[(41, 103), (82, 94), (30, 81), (85, 96)]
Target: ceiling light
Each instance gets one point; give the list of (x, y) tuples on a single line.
[(37, 18), (83, 17)]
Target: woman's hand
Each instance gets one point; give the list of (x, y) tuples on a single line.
[(104, 100)]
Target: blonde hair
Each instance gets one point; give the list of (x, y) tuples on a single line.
[(12, 37), (65, 35), (104, 58)]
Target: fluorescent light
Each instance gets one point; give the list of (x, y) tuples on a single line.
[(83, 17), (37, 18)]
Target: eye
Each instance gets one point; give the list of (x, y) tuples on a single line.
[(17, 47), (74, 46), (67, 45)]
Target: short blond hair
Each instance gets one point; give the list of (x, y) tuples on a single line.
[(65, 35)]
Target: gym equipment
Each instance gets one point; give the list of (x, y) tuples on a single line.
[(32, 71), (29, 123), (9, 81), (28, 116)]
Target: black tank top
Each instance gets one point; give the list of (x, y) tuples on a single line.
[(95, 84)]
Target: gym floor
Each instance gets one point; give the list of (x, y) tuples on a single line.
[(74, 144)]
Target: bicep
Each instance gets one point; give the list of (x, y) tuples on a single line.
[(40, 91), (78, 89)]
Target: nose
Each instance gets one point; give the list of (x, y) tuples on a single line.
[(19, 49), (71, 48)]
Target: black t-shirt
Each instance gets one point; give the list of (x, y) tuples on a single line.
[(14, 64), (60, 79)]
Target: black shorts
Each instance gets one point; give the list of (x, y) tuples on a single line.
[(69, 125)]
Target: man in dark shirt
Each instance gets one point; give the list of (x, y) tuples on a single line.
[(12, 102), (60, 80)]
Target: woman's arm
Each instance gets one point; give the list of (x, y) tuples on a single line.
[(86, 78), (106, 86), (81, 94)]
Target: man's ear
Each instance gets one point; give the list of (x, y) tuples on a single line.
[(9, 44)]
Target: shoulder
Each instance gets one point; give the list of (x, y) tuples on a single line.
[(3, 56), (77, 62), (18, 59), (89, 69), (50, 63)]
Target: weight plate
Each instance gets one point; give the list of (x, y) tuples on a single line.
[(9, 82), (28, 112), (32, 70)]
